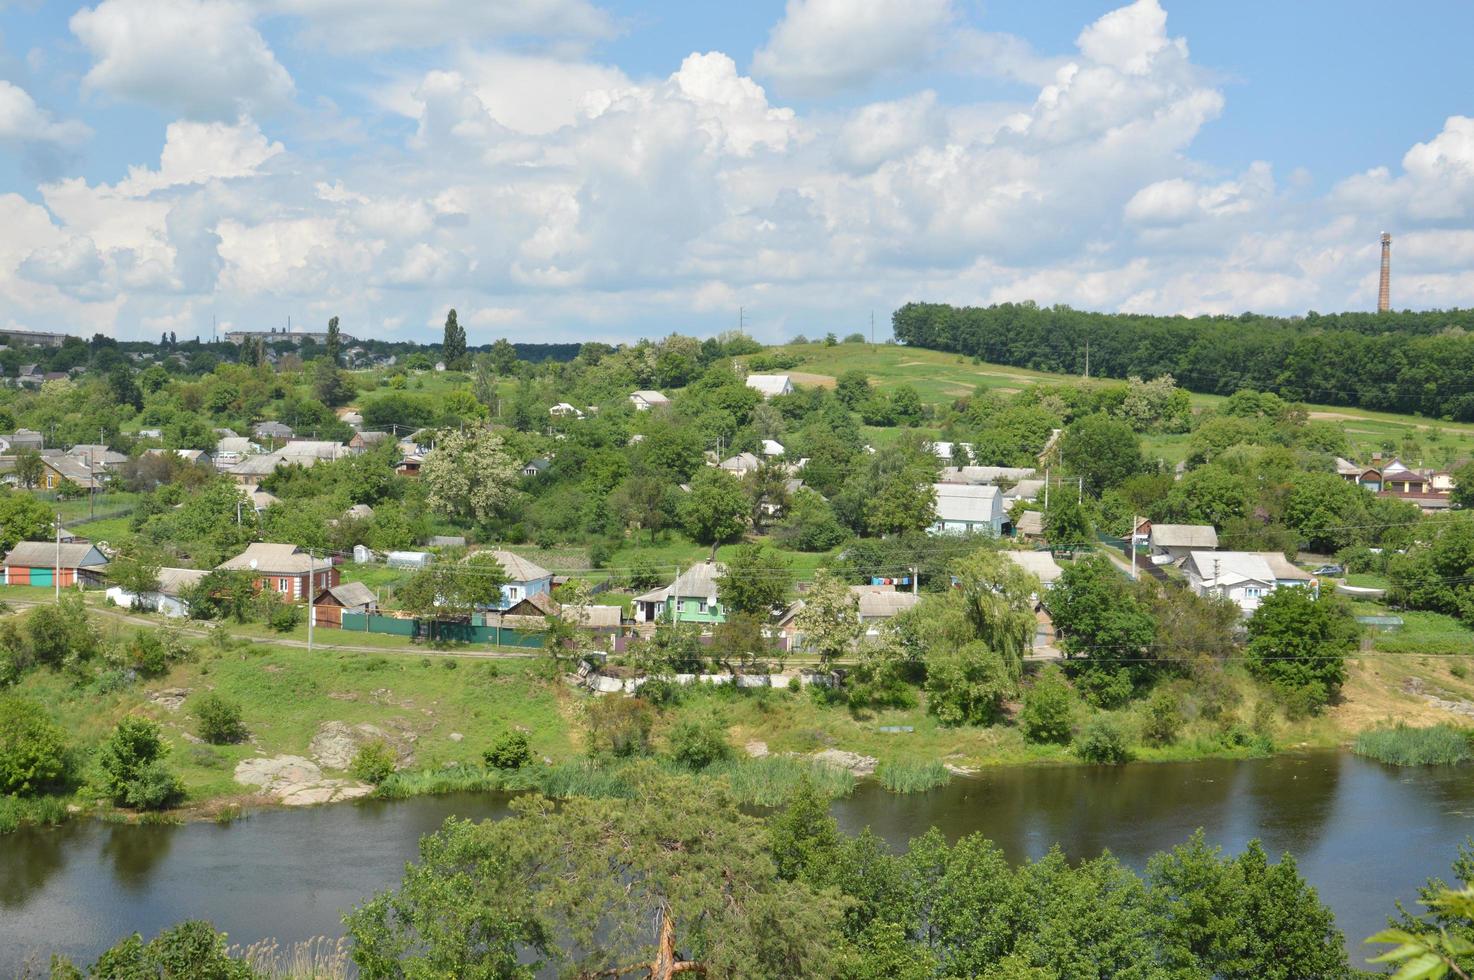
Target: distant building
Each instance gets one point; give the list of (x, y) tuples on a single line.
[(1171, 543), (168, 598), (646, 400), (285, 569), (36, 338), (966, 509), (283, 336), (48, 564), (770, 385), (691, 598)]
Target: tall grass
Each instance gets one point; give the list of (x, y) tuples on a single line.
[(912, 776), (19, 811), (1440, 745), (771, 780), (579, 777), (319, 958)]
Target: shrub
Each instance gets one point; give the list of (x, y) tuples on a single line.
[(283, 617), (1103, 741), (190, 949), (1163, 721), (1440, 745), (619, 726), (219, 719), (32, 747), (131, 767), (508, 751), (373, 763), (146, 654), (697, 743), (1045, 716)]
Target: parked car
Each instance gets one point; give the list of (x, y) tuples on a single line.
[(1330, 570)]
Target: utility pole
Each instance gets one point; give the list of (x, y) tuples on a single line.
[(1046, 489), (1131, 540), (741, 319), (56, 572), (1087, 358), (872, 328), (915, 580), (311, 595)]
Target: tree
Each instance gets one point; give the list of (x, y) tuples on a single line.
[(1107, 631), (135, 572), (696, 743), (509, 750), (830, 619), (905, 501), (809, 523), (715, 511), (756, 580), (131, 766), (1047, 709), (453, 345), (218, 718), (644, 502), (1463, 492), (29, 468), (967, 685), (33, 750), (330, 384), (503, 357), (190, 949), (852, 388), (1321, 507), (1066, 523), (469, 475), (999, 598), (23, 518), (452, 590), (333, 347), (1299, 644), (1103, 450), (598, 888)]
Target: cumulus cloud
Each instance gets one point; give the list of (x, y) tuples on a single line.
[(23, 122), (202, 59), (824, 46), (372, 25)]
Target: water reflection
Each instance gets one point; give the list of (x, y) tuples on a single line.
[(31, 857), (136, 851)]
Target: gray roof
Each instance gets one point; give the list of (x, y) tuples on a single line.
[(47, 554), (319, 448), (987, 474), (76, 470), (447, 541), (173, 581), (651, 397), (1030, 522), (1203, 537), (519, 569), (97, 453), (741, 463), (1041, 563), (593, 616), (1024, 490), (275, 429), (269, 558), (352, 595), (698, 581), (967, 503), (882, 603), (768, 384), (1283, 568), (359, 512), (1231, 567), (240, 445)]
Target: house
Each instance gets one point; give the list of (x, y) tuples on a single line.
[(1398, 479), (188, 455), (1030, 525), (1040, 563), (1366, 476), (48, 564), (359, 512), (1022, 490), (22, 439), (964, 509), (221, 432), (565, 410), (524, 578), (230, 450), (351, 418), (331, 603), (260, 499), (536, 467), (1242, 577), (772, 447), (285, 569), (875, 605), (770, 385), (272, 430), (1286, 572), (29, 376), (741, 464), (97, 455), (305, 453), (409, 465), (168, 599), (362, 442), (987, 474), (1171, 543), (601, 620), (691, 598), (59, 467), (646, 400)]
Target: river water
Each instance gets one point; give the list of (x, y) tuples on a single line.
[(1364, 835)]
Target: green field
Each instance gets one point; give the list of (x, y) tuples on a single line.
[(941, 378)]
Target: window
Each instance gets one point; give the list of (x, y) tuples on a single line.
[(700, 606), (283, 585), (1252, 591)]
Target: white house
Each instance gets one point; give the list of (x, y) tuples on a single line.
[(772, 447), (963, 508), (168, 599), (987, 474), (1243, 577), (646, 400), (565, 410), (741, 464), (770, 385), (1171, 543)]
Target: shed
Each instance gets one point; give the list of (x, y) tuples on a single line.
[(331, 603), (46, 563)]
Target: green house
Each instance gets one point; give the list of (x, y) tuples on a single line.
[(691, 598)]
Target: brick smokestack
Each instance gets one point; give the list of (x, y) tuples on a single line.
[(1384, 288)]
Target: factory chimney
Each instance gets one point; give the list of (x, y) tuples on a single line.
[(1384, 288)]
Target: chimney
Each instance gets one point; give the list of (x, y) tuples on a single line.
[(1384, 288)]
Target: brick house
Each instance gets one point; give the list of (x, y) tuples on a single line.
[(284, 569)]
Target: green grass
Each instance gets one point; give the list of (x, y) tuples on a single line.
[(43, 811), (1367, 580), (771, 780), (1441, 745), (912, 776)]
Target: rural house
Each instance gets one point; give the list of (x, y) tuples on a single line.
[(168, 598), (60, 467), (284, 569), (47, 563), (691, 598), (646, 400), (524, 578), (770, 385), (964, 508), (1171, 543), (1242, 577)]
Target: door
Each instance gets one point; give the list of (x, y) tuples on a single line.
[(41, 576)]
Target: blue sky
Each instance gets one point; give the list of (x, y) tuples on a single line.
[(569, 169)]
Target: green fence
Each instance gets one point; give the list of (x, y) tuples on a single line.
[(451, 632)]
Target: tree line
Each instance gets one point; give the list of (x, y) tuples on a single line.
[(1396, 362)]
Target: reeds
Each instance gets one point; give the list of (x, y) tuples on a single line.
[(1440, 745), (909, 776)]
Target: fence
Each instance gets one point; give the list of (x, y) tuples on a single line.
[(435, 630)]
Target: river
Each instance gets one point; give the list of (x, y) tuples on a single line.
[(1364, 834)]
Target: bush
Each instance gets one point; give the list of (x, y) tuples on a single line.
[(1440, 745), (373, 763), (697, 743), (190, 949), (1045, 716), (283, 617), (1103, 741), (131, 768), (619, 726), (219, 719), (32, 747), (509, 751), (1163, 720)]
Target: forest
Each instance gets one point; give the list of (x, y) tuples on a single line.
[(1394, 362)]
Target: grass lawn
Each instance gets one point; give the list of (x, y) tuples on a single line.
[(285, 695)]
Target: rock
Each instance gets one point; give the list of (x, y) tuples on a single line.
[(169, 698), (337, 742), (456, 736), (296, 781), (756, 749), (860, 765)]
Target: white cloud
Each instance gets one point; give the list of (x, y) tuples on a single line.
[(1437, 181), (1178, 200), (203, 59), (1129, 38), (197, 152), (884, 131), (824, 46), (22, 121), (372, 25)]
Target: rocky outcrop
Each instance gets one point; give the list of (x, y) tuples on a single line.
[(296, 781), (337, 742), (860, 765)]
